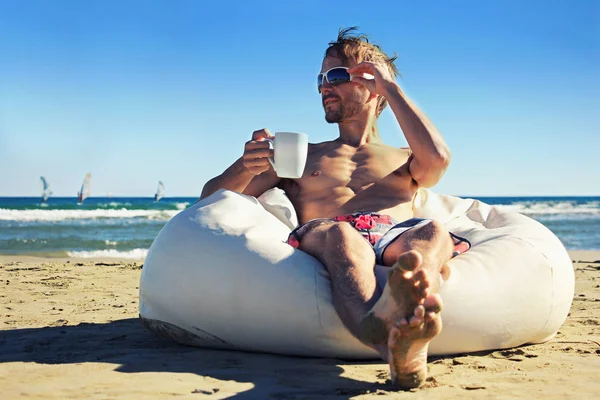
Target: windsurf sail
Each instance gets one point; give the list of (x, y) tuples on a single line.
[(84, 192), (160, 192), (46, 191)]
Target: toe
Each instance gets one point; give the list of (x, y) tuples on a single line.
[(419, 311), (445, 272), (419, 276), (423, 289), (409, 261), (433, 303), (417, 318)]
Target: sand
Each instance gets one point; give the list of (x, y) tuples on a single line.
[(69, 328)]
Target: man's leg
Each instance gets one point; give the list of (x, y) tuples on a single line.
[(350, 261), (407, 315), (401, 321)]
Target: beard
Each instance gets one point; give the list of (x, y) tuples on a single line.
[(344, 110)]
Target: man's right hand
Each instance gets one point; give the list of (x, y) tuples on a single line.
[(257, 152)]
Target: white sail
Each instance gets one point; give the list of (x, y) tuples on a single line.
[(84, 192), (46, 191), (160, 192)]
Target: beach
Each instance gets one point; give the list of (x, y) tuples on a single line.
[(69, 328)]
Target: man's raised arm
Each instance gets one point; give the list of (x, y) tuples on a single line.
[(251, 174), (430, 154)]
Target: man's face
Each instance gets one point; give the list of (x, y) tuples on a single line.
[(344, 101)]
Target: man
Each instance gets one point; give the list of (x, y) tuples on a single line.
[(356, 188)]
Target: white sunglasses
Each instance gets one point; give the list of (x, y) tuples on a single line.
[(336, 76)]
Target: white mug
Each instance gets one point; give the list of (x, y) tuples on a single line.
[(290, 151)]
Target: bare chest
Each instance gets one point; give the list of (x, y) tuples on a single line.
[(354, 168)]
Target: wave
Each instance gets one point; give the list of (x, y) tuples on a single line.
[(115, 204), (181, 206), (62, 215), (137, 254), (553, 207), (31, 240)]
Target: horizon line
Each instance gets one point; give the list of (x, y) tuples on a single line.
[(198, 196)]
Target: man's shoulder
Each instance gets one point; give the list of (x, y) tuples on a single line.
[(388, 148), (406, 150), (320, 144), (312, 147), (316, 147)]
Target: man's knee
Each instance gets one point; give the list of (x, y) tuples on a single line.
[(315, 238), (430, 231), (329, 236), (340, 232)]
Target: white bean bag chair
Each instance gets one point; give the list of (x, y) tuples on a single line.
[(220, 275)]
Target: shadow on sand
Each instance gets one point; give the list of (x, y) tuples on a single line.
[(128, 343)]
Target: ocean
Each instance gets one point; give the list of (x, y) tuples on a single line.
[(126, 227)]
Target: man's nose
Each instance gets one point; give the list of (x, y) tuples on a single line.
[(326, 86)]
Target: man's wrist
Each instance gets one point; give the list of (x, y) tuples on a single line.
[(391, 89), (245, 173), (241, 171)]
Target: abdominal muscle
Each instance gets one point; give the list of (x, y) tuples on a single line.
[(341, 180)]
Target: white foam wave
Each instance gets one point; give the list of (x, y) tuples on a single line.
[(62, 215), (116, 204), (182, 206), (137, 254), (31, 241), (549, 208)]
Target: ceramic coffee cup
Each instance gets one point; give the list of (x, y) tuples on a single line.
[(290, 151)]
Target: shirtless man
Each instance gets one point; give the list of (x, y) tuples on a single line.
[(356, 188)]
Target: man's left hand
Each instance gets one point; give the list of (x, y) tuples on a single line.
[(382, 77)]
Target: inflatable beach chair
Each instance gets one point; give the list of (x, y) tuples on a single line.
[(220, 275)]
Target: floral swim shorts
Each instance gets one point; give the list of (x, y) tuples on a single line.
[(378, 229)]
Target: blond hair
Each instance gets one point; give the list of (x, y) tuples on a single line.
[(351, 47)]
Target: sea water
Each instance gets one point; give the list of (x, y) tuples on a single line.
[(126, 227)]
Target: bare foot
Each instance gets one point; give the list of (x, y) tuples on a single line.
[(406, 318), (409, 340)]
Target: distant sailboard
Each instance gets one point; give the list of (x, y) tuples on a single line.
[(160, 192), (46, 191), (84, 192)]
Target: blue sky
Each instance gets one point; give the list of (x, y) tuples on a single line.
[(139, 91)]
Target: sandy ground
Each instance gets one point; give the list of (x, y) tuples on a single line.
[(69, 329)]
